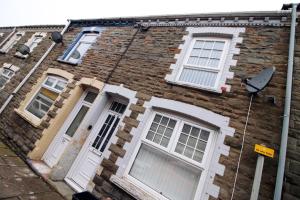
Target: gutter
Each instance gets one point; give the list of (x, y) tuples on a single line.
[(9, 36), (32, 70), (287, 105)]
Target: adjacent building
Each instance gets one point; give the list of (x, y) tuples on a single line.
[(151, 107)]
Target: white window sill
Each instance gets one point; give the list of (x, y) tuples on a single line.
[(131, 189), (217, 91), (68, 62), (32, 120), (19, 55)]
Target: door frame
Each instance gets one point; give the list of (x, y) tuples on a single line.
[(90, 139), (67, 124)]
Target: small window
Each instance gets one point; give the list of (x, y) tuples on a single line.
[(46, 96), (173, 151), (203, 63), (82, 45), (6, 73), (11, 42), (32, 43)]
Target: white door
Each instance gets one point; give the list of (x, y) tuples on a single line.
[(68, 130), (89, 158)]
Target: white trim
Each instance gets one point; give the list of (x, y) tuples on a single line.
[(30, 43), (220, 123), (217, 33), (12, 41)]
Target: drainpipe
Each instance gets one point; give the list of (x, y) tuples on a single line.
[(287, 105), (32, 70), (7, 38)]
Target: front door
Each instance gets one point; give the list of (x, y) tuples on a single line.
[(89, 158), (68, 130)]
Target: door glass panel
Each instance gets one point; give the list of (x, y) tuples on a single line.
[(90, 97), (109, 126), (77, 121)]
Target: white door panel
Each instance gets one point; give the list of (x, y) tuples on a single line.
[(89, 158)]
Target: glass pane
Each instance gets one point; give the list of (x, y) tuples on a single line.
[(201, 145), (77, 121), (219, 45), (190, 141), (157, 118), (216, 54), (188, 152), (60, 85), (205, 53), (50, 81), (195, 132), (213, 63), (90, 97), (166, 175), (195, 52), (199, 44), (150, 135), (179, 148), (161, 130), (202, 61), (198, 156), (208, 45), (89, 38), (204, 135), (199, 77), (193, 60), (40, 105), (3, 80)]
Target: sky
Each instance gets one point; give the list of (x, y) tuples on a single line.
[(37, 12)]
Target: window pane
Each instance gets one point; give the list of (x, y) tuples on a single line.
[(208, 45), (89, 38), (205, 53), (199, 77), (161, 130), (214, 63), (42, 102), (90, 97), (165, 174), (50, 81), (219, 45), (77, 121), (191, 141), (199, 44), (3, 81), (60, 85), (216, 54)]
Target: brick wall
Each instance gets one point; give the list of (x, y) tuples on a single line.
[(143, 69)]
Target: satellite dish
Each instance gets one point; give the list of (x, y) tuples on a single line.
[(24, 49), (57, 37), (75, 55), (260, 81)]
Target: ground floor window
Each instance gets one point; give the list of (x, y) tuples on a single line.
[(171, 157)]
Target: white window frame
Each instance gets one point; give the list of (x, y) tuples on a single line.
[(170, 151), (12, 41), (11, 68), (80, 41), (218, 70), (43, 85), (31, 43)]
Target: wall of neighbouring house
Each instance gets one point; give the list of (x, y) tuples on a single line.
[(292, 170), (143, 69)]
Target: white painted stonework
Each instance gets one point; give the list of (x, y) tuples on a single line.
[(219, 32), (220, 122)]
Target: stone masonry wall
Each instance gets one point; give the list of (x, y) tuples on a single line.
[(292, 168), (143, 69)]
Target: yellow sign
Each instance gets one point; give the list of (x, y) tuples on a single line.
[(264, 150)]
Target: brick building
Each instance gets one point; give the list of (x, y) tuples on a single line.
[(153, 107)]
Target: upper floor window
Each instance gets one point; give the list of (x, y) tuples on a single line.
[(12, 41), (46, 95), (6, 73), (206, 57), (80, 45), (203, 62), (172, 150), (33, 42)]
